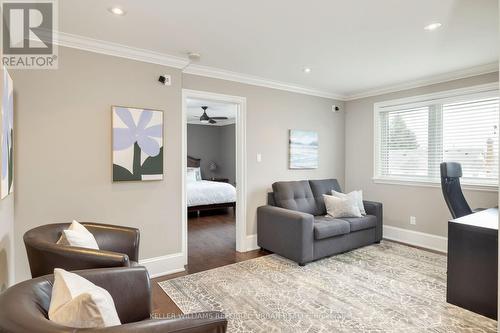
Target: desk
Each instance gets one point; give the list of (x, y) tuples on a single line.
[(473, 262)]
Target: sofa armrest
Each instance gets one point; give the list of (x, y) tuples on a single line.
[(202, 322), (116, 238), (375, 208), (286, 232)]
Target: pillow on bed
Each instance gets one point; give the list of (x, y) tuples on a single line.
[(197, 172), (191, 175)]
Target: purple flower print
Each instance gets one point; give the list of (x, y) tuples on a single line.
[(140, 133)]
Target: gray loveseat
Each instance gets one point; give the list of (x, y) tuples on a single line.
[(294, 223)]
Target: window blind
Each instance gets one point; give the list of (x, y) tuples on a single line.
[(470, 136), (414, 139), (404, 146)]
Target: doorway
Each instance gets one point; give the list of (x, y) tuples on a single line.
[(213, 221)]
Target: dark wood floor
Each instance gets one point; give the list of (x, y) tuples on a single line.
[(211, 244)]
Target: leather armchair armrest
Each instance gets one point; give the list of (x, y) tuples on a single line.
[(130, 288), (202, 322), (375, 208), (286, 232), (43, 261), (116, 238)]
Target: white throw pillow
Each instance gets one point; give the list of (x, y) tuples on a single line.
[(77, 302), (341, 207), (78, 235), (196, 171), (190, 176), (356, 195)]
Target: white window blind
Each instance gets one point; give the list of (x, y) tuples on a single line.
[(414, 138)]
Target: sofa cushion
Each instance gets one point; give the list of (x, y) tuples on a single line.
[(295, 195), (361, 223), (320, 187), (326, 227)]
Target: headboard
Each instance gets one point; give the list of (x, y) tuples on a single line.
[(193, 162)]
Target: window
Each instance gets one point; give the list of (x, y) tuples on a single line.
[(413, 136)]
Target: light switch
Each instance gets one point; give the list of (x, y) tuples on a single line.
[(259, 157)]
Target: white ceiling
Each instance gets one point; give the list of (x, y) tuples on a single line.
[(215, 109), (351, 45)]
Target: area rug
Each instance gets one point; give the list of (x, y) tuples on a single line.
[(379, 288)]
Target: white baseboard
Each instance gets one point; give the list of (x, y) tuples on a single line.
[(251, 243), (164, 265), (416, 238)]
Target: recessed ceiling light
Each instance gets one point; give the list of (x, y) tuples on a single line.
[(307, 70), (433, 26), (117, 11)]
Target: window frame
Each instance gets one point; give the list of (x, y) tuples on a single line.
[(448, 96)]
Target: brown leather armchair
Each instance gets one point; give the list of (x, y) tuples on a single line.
[(24, 307), (118, 247)]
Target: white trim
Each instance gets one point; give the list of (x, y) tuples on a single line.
[(241, 153), (164, 265), (435, 79), (435, 184), (416, 238), (118, 50), (124, 51), (444, 94), (251, 243), (144, 55), (223, 74)]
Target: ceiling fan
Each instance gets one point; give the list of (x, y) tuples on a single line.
[(206, 119)]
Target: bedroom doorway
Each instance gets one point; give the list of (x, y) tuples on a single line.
[(213, 177)]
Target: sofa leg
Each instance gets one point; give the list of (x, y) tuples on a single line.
[(302, 264), (377, 242)]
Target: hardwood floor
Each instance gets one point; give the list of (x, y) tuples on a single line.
[(211, 244)]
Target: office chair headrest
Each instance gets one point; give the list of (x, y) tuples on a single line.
[(451, 170)]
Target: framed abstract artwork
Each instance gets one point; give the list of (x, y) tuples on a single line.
[(303, 149), (6, 137), (137, 144)]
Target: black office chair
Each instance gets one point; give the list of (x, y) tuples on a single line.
[(452, 192)]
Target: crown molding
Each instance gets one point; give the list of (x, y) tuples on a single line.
[(435, 79), (124, 51), (257, 81), (118, 50)]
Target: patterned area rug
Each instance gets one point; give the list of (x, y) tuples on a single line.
[(379, 288)]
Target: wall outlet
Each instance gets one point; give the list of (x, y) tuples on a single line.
[(259, 157), (413, 220)]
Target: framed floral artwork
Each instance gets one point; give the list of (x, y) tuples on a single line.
[(6, 137), (137, 144)]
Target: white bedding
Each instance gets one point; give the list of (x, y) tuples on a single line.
[(205, 192)]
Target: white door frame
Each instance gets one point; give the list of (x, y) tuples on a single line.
[(241, 173)]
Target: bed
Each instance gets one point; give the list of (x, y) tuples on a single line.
[(208, 195)]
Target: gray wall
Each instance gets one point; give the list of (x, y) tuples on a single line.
[(228, 153), (63, 161), (213, 143), (63, 166), (270, 115), (401, 202)]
